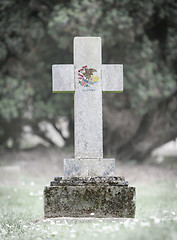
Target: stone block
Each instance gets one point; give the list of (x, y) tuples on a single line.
[(60, 72), (89, 197), (87, 50), (112, 78), (88, 167)]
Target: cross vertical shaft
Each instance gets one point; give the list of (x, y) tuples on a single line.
[(88, 100)]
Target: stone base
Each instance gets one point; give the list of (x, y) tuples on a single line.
[(89, 167), (109, 197)]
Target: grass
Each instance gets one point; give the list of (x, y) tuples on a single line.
[(21, 216)]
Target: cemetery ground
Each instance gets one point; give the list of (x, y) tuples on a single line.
[(24, 174)]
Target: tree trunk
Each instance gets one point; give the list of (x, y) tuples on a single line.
[(70, 140), (156, 127)]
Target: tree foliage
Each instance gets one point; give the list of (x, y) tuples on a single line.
[(140, 34)]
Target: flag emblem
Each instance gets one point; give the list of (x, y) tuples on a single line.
[(87, 76)]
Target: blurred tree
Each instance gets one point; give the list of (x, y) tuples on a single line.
[(141, 35)]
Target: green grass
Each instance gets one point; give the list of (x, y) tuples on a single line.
[(22, 207)]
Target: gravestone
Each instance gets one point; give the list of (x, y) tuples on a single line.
[(89, 186)]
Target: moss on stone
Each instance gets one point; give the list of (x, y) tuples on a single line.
[(81, 201)]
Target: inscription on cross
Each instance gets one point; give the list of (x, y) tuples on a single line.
[(88, 78)]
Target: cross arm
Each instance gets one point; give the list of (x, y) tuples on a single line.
[(112, 78), (63, 78)]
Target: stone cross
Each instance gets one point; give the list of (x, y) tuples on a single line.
[(87, 78)]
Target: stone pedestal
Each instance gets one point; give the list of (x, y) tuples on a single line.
[(89, 197), (85, 168)]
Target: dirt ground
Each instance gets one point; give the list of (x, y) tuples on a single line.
[(47, 163)]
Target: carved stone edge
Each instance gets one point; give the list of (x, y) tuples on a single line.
[(94, 181)]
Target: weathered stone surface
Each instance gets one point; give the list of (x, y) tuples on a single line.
[(89, 201), (88, 167), (63, 78), (94, 181), (71, 220), (112, 78), (88, 100), (80, 193)]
